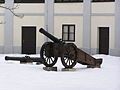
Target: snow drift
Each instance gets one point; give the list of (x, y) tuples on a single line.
[(15, 76)]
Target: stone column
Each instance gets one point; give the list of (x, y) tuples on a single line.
[(117, 26), (49, 16), (8, 28), (87, 26)]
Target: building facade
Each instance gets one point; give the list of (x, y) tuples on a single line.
[(92, 25)]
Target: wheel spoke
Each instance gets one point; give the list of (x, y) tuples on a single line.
[(49, 61), (52, 59), (72, 61), (69, 62)]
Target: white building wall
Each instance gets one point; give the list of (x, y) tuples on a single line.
[(26, 22), (2, 9), (69, 13), (2, 22), (102, 21), (68, 8), (104, 7), (77, 20), (102, 15), (30, 8), (33, 16), (1, 30)]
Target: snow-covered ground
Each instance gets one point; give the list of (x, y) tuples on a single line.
[(15, 76)]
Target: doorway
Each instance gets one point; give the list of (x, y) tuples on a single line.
[(104, 40), (28, 40)]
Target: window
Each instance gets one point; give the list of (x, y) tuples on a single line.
[(103, 0), (56, 1), (68, 32), (67, 1), (2, 1), (29, 1), (71, 1)]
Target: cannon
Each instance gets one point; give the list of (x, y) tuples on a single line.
[(68, 52), (26, 59)]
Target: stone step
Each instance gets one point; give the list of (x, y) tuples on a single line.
[(50, 68), (68, 69)]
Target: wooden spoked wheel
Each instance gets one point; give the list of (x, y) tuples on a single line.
[(69, 57), (48, 60)]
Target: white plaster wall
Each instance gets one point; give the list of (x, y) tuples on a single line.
[(30, 20), (2, 9), (1, 30), (68, 7), (65, 8), (37, 21), (102, 21), (30, 8), (77, 20), (106, 7)]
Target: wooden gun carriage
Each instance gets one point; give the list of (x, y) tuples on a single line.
[(68, 52)]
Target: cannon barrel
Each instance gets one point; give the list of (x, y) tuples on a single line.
[(54, 39), (24, 59)]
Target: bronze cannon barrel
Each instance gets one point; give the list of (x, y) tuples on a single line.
[(54, 39), (24, 59)]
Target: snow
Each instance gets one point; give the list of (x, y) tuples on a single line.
[(15, 76)]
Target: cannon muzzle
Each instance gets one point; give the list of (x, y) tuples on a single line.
[(54, 39)]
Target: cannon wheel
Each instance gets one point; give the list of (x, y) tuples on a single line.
[(47, 61), (70, 55)]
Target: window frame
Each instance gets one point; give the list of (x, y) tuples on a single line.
[(68, 32), (79, 1), (103, 0), (2, 1), (29, 1), (69, 1), (55, 1)]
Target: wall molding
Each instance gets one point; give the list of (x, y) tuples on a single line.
[(102, 14), (31, 14), (2, 14), (63, 14)]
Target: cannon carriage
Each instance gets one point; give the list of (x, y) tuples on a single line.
[(68, 52)]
